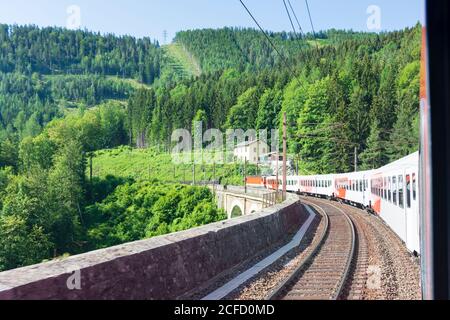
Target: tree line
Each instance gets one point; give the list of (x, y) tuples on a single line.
[(28, 49), (50, 207), (357, 93)]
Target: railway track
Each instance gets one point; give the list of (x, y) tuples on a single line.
[(376, 266), (322, 274)]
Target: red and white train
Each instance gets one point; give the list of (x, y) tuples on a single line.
[(391, 192)]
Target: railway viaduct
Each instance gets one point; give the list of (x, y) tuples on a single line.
[(236, 201), (165, 267)]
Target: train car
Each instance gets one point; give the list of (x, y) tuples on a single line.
[(353, 188), (394, 196), (390, 192), (256, 182), (321, 185)]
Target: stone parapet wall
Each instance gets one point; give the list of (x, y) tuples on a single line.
[(164, 267)]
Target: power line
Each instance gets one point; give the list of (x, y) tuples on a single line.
[(311, 21), (295, 16), (264, 32), (290, 19)]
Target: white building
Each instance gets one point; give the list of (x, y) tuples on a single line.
[(273, 165), (251, 151)]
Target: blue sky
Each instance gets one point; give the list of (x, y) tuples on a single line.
[(151, 17)]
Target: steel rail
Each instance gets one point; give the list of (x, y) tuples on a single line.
[(281, 289)]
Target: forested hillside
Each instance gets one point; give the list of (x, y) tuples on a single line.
[(248, 49), (358, 91), (65, 96), (28, 49)]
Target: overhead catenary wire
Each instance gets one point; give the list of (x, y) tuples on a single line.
[(311, 21), (295, 16), (290, 19), (264, 32)]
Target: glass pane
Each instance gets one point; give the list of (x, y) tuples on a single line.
[(400, 191), (394, 190), (389, 190), (408, 191)]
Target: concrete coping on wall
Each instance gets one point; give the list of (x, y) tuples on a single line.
[(26, 276)]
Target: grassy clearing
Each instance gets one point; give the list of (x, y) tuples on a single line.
[(144, 164), (181, 61)]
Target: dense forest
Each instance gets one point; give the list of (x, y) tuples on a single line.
[(28, 49), (66, 96), (354, 92)]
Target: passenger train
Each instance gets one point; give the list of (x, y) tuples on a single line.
[(390, 192)]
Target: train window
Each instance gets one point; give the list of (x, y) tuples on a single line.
[(360, 185), (381, 186), (394, 190), (389, 190), (400, 192), (414, 186), (408, 191), (385, 188), (357, 185)]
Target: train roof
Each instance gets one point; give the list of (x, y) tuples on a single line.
[(411, 160)]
